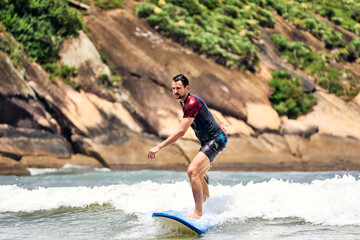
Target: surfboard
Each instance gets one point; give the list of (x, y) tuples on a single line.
[(176, 219)]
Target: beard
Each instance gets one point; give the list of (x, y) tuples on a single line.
[(178, 96)]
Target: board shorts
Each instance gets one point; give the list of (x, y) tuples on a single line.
[(213, 148)]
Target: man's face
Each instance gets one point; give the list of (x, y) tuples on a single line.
[(178, 90)]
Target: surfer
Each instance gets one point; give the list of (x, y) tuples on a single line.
[(211, 135)]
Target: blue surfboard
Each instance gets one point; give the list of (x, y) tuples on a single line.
[(199, 226)]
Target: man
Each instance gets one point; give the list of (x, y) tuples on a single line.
[(212, 137)]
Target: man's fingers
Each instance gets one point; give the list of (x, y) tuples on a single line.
[(151, 155)]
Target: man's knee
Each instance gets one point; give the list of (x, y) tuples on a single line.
[(193, 172)]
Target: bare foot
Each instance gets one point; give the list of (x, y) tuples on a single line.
[(193, 215)]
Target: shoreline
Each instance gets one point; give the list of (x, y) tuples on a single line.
[(18, 169)]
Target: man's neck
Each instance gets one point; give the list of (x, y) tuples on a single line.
[(185, 97)]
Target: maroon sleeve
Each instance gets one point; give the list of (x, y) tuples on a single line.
[(192, 108)]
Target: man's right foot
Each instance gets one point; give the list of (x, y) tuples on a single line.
[(193, 215)]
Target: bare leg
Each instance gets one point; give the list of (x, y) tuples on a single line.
[(196, 172), (205, 188)]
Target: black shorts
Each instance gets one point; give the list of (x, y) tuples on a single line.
[(213, 148)]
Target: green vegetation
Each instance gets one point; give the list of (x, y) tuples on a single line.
[(104, 4), (64, 72), (40, 25), (226, 30), (299, 12), (304, 57), (12, 48), (108, 4), (345, 13), (107, 81), (103, 58), (289, 97), (223, 30), (351, 52)]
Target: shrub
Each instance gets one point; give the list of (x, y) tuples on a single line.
[(40, 25), (353, 50), (289, 98), (144, 10)]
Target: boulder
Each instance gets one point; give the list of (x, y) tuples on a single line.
[(289, 126), (17, 142), (9, 166), (272, 152), (266, 152), (54, 162), (324, 152), (130, 152), (334, 116), (80, 111), (81, 53), (18, 102), (12, 82), (235, 126), (262, 117)]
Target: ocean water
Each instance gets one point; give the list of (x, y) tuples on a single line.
[(82, 203)]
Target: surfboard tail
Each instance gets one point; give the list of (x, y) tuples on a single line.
[(177, 219)]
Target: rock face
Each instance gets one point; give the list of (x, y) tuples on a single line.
[(272, 152), (334, 116), (20, 142), (47, 123), (137, 46), (10, 167), (55, 162)]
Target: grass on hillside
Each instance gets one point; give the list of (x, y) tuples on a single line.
[(40, 25), (303, 56), (227, 32)]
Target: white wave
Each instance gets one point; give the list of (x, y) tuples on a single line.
[(330, 202), (66, 167), (41, 171)]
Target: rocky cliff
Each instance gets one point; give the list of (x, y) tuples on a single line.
[(47, 123)]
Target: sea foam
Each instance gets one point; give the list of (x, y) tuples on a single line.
[(331, 202)]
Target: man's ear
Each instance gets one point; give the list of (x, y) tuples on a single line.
[(187, 88)]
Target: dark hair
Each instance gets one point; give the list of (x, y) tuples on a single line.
[(182, 78)]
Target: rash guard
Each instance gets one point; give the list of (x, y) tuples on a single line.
[(204, 124)]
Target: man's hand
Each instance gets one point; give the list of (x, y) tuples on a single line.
[(223, 125), (153, 151)]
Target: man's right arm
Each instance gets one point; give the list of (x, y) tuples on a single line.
[(184, 125)]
